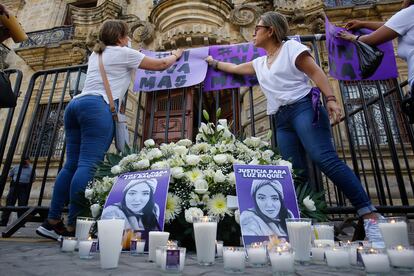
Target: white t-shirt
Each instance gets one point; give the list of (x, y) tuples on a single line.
[(283, 83), (119, 62), (403, 23)]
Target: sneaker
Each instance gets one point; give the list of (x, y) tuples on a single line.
[(373, 233), (50, 231)]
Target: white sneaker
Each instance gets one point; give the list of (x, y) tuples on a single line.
[(373, 233)]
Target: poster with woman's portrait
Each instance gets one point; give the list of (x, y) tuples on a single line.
[(140, 199), (266, 196)]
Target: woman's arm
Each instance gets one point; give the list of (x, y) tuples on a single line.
[(240, 69), (383, 34), (358, 24), (159, 64), (306, 64)]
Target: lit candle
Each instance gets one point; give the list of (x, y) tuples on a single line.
[(137, 246), (110, 241), (234, 259), (323, 242), (156, 238), (299, 232), (401, 257), (205, 231), (323, 231), (172, 259), (68, 244), (394, 231), (83, 226), (318, 252), (282, 259), (375, 260), (256, 253), (337, 257), (219, 248), (85, 249)]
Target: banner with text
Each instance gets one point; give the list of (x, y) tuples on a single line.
[(344, 61)]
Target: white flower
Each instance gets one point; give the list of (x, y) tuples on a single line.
[(282, 162), (154, 154), (232, 178), (192, 159), (309, 204), (227, 134), (177, 172), (200, 186), (128, 159), (220, 159), (220, 127), (254, 162), (172, 208), (184, 142), (194, 174), (194, 199), (267, 154), (181, 150), (253, 142), (160, 165), (217, 206), (88, 193), (223, 122), (191, 213), (219, 177), (149, 143), (237, 216), (116, 169), (238, 162), (141, 164), (95, 210)]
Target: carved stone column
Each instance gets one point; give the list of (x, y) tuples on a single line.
[(245, 17)]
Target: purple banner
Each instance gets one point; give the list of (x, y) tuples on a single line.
[(266, 196), (137, 195), (238, 53), (189, 70), (344, 61)]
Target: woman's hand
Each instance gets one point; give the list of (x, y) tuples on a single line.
[(209, 60), (177, 53), (346, 35), (354, 24), (334, 111)]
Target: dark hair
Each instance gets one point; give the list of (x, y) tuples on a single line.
[(148, 218), (283, 212), (110, 33)]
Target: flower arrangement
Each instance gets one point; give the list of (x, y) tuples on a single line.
[(201, 176)]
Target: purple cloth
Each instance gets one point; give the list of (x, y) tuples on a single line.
[(316, 104)]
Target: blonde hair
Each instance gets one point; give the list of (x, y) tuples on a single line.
[(278, 23), (110, 33)]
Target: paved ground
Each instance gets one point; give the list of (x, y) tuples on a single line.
[(27, 254)]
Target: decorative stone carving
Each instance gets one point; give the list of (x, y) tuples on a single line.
[(143, 31), (245, 16)]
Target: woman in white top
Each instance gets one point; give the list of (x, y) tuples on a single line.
[(400, 25), (89, 126), (283, 75)]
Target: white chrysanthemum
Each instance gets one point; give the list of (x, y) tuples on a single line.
[(88, 193), (205, 198), (267, 155), (95, 210), (200, 148), (232, 178), (206, 158), (172, 208), (176, 162), (219, 177), (213, 150), (237, 216), (177, 172), (128, 160), (200, 186), (253, 142), (184, 142), (194, 174), (209, 173), (141, 164), (282, 162), (149, 143), (191, 213), (220, 159), (180, 150), (217, 206), (192, 159), (116, 169), (154, 154), (194, 199), (160, 165)]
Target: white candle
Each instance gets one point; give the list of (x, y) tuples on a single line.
[(83, 226), (219, 245), (282, 261), (256, 253), (376, 263), (323, 232), (110, 241), (205, 231), (169, 268), (337, 257), (156, 238), (401, 257), (85, 249), (234, 259), (394, 232), (137, 246), (330, 243), (69, 244), (299, 231), (318, 253), (158, 256)]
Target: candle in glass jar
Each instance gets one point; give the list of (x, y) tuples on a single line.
[(219, 248), (401, 257), (156, 238), (205, 231), (375, 260), (85, 249), (394, 231), (137, 246), (282, 259), (69, 244), (318, 252), (234, 259), (337, 257), (257, 254), (323, 242), (172, 260)]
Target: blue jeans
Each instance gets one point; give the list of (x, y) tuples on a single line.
[(89, 131), (296, 136)]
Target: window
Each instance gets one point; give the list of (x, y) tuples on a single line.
[(52, 119)]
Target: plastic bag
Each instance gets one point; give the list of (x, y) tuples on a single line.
[(370, 58)]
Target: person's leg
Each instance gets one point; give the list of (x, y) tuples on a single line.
[(23, 194), (10, 201), (97, 129)]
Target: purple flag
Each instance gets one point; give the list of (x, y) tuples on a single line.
[(344, 61), (189, 70), (266, 197), (238, 53)]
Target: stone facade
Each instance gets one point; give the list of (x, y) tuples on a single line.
[(164, 25)]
